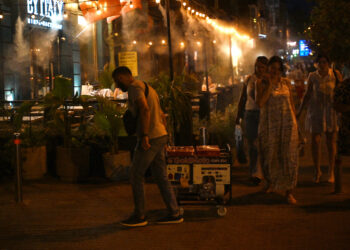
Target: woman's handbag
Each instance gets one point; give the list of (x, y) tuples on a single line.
[(129, 120)]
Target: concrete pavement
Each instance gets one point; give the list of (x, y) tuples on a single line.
[(57, 215)]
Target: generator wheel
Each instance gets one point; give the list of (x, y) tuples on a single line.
[(222, 211)]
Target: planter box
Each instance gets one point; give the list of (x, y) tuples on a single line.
[(117, 165), (72, 164), (33, 162)]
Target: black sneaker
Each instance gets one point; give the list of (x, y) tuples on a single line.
[(171, 220), (134, 221)]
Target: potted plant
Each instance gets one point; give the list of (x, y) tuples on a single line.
[(108, 119), (175, 99), (72, 158), (33, 145)]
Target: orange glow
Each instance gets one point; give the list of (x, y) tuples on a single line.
[(107, 8)]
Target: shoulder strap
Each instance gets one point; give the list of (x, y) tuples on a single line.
[(146, 90)]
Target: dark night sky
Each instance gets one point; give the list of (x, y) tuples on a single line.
[(299, 13)]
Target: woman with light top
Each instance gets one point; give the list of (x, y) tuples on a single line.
[(248, 108), (278, 131), (321, 117)]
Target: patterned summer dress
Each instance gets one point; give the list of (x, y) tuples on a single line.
[(342, 95), (321, 117), (278, 139)]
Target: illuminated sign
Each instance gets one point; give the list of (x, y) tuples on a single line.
[(304, 48), (46, 13), (129, 59)]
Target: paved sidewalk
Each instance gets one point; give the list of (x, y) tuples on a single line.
[(58, 215)]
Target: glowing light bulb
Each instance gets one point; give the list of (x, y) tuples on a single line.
[(134, 42), (150, 43), (188, 8), (163, 41), (184, 3), (98, 12), (182, 44), (157, 1)]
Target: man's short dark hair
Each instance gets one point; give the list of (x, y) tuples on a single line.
[(122, 70)]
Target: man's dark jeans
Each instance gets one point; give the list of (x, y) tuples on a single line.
[(154, 158)]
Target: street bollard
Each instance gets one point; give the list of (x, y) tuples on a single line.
[(18, 195)]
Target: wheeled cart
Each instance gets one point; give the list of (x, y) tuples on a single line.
[(201, 178)]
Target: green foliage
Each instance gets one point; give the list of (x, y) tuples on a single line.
[(33, 133), (221, 126), (63, 88), (60, 121), (175, 98), (330, 29), (108, 119), (105, 78), (23, 110)]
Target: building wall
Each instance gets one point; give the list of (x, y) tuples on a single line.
[(29, 59)]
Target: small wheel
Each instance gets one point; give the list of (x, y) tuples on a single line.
[(181, 210), (222, 211)]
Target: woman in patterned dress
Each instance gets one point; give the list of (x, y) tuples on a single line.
[(321, 117), (278, 131)]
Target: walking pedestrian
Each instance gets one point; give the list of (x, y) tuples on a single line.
[(321, 117), (248, 108), (278, 132), (299, 78), (152, 138)]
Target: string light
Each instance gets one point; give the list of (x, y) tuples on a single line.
[(157, 1), (228, 30)]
